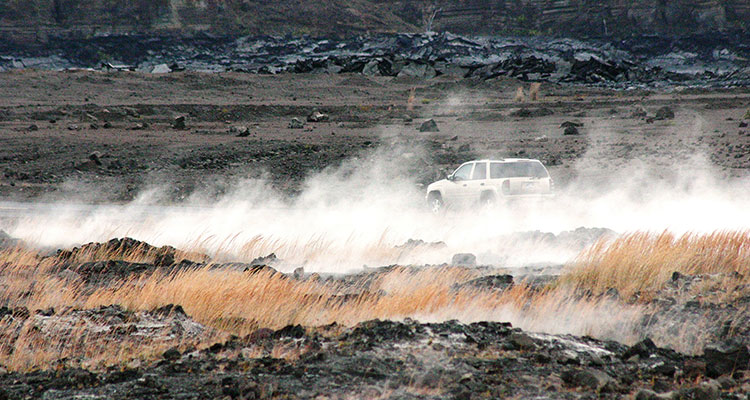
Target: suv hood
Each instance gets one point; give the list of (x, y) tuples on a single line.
[(437, 183)]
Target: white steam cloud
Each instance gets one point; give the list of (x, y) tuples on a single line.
[(359, 213)]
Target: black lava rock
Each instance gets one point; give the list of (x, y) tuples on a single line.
[(429, 126), (725, 357)]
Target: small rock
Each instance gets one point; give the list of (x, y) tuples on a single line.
[(571, 130), (268, 260), (464, 259), (317, 116), (639, 112), (296, 123), (107, 125), (417, 70), (493, 282), (574, 124), (293, 331), (521, 340), (299, 273), (74, 127), (161, 69), (87, 166), (172, 354), (179, 123), (664, 113), (429, 126), (95, 157), (705, 391), (32, 128), (643, 349), (139, 126), (115, 164), (726, 382), (453, 139), (164, 257), (131, 111), (464, 147), (244, 132), (530, 113), (542, 138), (743, 124), (47, 312), (593, 379)]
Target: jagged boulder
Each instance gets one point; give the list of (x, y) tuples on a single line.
[(429, 126)]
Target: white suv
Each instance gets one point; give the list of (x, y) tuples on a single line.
[(489, 181)]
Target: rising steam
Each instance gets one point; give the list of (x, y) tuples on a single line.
[(360, 212)]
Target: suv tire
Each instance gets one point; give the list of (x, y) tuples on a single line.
[(435, 202)]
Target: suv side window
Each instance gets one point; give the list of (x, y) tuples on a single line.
[(463, 173), (498, 170), (480, 171)]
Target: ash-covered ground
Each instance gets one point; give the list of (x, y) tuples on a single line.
[(281, 247)]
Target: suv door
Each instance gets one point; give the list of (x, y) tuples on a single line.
[(478, 182), (455, 191)]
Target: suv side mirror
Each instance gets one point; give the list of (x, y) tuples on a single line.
[(450, 177)]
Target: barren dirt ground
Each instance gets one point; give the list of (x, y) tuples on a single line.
[(51, 122)]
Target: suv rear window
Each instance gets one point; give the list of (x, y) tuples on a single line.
[(517, 169)]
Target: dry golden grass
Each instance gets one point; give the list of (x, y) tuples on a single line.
[(240, 302), (34, 344), (233, 301), (237, 302), (644, 262)]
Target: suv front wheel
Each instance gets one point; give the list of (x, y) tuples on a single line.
[(435, 202)]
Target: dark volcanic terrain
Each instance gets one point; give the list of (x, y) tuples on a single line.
[(289, 174)]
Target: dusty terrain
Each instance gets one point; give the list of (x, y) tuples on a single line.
[(51, 122), (218, 315)]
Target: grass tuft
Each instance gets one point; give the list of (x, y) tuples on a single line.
[(642, 263)]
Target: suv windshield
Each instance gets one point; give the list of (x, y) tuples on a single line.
[(517, 169), (462, 173)]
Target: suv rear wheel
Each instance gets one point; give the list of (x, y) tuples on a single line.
[(487, 199)]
